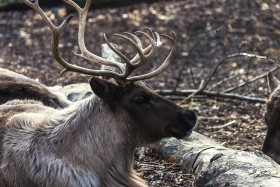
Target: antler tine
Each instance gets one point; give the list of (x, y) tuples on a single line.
[(35, 6), (85, 53), (136, 47), (56, 32), (143, 55), (121, 55), (155, 45), (130, 67), (138, 41), (150, 32), (165, 64), (151, 49), (145, 51)]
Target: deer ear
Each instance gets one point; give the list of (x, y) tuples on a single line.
[(272, 82), (104, 89)]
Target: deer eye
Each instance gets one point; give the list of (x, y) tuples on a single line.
[(143, 99)]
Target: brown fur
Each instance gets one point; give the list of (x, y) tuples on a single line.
[(271, 145)]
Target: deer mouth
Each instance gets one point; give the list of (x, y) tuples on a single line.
[(182, 135), (183, 131)]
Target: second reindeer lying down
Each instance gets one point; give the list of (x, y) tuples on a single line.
[(17, 86), (91, 142)]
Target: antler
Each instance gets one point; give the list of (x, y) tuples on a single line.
[(143, 56)]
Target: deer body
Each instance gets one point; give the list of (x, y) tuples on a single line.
[(90, 143)]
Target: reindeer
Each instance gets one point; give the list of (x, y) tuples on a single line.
[(91, 142), (17, 86), (272, 118)]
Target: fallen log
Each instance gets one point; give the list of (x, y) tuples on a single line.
[(215, 165)]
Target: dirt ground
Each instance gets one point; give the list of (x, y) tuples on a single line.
[(207, 31)]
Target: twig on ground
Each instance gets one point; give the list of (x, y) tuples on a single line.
[(251, 56), (221, 82), (149, 165), (250, 81), (212, 74), (218, 118), (220, 28), (192, 94), (222, 126)]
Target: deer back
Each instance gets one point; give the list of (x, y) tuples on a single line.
[(17, 86)]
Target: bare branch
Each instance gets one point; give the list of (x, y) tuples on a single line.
[(221, 82), (251, 56), (191, 51), (211, 94), (212, 74), (250, 81)]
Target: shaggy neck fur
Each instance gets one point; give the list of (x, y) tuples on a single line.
[(83, 145)]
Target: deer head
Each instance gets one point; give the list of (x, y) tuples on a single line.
[(125, 90)]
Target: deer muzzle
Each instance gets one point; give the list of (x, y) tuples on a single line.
[(187, 120)]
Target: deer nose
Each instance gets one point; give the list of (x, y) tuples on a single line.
[(189, 116)]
